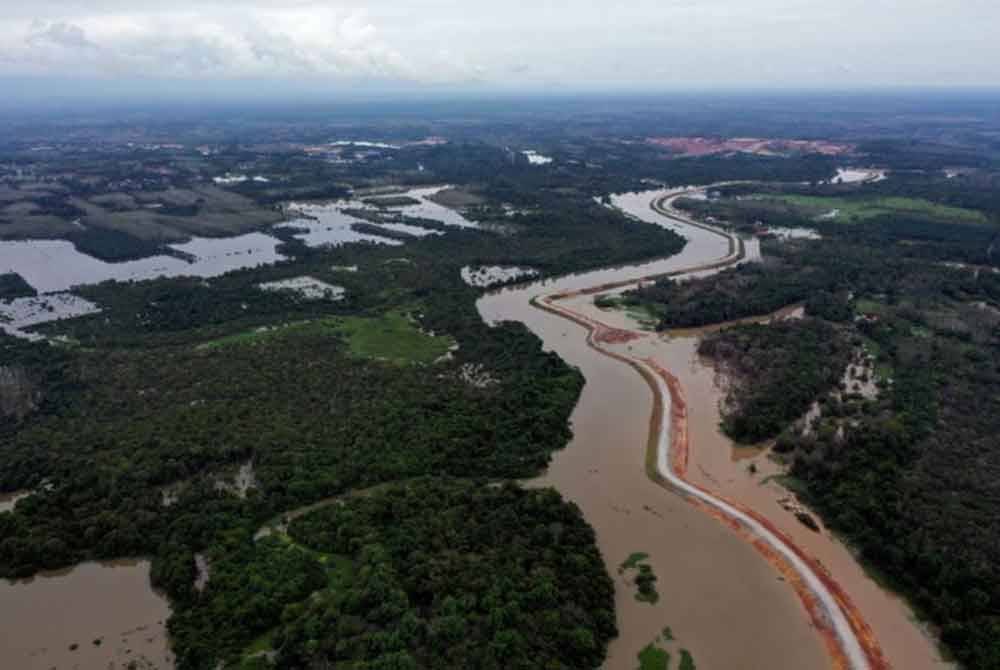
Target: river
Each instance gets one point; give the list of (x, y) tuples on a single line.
[(723, 600), (94, 615)]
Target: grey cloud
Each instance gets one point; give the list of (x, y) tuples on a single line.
[(649, 44), (60, 34)]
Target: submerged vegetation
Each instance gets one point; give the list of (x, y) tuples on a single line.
[(645, 580), (656, 656)]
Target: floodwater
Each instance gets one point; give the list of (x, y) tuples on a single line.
[(723, 601), (329, 224), (858, 175), (52, 266), (21, 313), (54, 619), (705, 576), (723, 468), (428, 209)]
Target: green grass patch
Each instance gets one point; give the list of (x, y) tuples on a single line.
[(250, 337), (263, 643), (647, 315), (859, 210), (869, 307), (653, 658), (393, 336)]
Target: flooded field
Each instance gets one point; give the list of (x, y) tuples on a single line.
[(332, 223), (325, 224), (53, 267), (21, 313), (93, 616), (858, 175)]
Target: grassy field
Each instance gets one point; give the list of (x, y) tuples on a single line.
[(869, 307), (392, 336), (858, 210)]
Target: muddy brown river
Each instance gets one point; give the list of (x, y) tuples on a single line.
[(722, 599), (53, 620)]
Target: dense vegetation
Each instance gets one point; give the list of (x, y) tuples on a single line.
[(430, 573), (911, 479), (13, 286), (776, 372), (453, 575), (113, 245)]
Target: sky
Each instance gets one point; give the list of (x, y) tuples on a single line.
[(512, 45)]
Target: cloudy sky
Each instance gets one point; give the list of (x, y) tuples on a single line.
[(657, 45)]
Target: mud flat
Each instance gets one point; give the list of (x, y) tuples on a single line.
[(722, 599), (95, 615)]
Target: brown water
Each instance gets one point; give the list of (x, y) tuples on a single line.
[(720, 466), (43, 617), (722, 600)]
